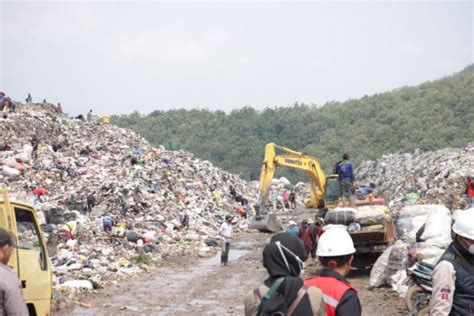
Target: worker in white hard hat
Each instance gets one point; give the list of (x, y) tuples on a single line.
[(335, 252), (453, 276)]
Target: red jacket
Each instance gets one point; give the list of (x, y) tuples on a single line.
[(470, 189)]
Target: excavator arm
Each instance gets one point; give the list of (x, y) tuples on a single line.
[(291, 159)]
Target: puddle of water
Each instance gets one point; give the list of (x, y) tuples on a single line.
[(215, 261)]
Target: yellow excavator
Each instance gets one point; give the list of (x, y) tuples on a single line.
[(325, 190)]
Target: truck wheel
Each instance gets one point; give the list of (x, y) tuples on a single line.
[(425, 311), (412, 293)]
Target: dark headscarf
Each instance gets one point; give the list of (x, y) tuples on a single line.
[(275, 264)]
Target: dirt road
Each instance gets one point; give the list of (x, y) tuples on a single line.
[(191, 286)]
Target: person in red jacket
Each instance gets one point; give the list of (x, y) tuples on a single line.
[(470, 191), (335, 252)]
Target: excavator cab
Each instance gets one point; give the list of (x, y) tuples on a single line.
[(333, 191)]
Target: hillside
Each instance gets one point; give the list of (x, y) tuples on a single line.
[(430, 116)]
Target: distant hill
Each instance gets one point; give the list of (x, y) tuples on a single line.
[(430, 116)]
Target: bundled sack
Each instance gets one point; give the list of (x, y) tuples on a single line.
[(417, 210), (371, 215), (438, 224), (398, 253), (340, 216), (378, 274), (429, 253)]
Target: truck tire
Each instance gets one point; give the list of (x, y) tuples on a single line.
[(412, 293)]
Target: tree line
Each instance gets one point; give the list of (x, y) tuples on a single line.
[(429, 116)]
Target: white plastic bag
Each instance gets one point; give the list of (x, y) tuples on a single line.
[(416, 210), (438, 224)]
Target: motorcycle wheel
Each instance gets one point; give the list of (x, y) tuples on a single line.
[(425, 311), (412, 292)]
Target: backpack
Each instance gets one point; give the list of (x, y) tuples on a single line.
[(262, 301)]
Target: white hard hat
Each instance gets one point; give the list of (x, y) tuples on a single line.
[(291, 223), (335, 242), (464, 224)]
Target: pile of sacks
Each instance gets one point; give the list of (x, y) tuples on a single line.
[(424, 233), (437, 177), (362, 218), (163, 203)]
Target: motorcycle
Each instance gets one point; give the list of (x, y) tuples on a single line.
[(420, 287)]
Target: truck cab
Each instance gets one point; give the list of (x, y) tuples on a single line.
[(29, 258)]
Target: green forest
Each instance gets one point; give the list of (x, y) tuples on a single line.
[(429, 116)]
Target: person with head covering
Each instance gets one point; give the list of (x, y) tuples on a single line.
[(283, 292), (336, 252), (292, 229)]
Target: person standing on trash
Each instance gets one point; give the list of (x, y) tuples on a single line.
[(453, 275), (286, 199), (11, 300), (89, 116), (2, 98), (34, 143), (292, 199), (283, 292), (225, 231), (29, 99), (345, 170), (90, 202), (335, 252), (59, 108), (470, 191)]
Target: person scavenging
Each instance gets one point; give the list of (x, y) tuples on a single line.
[(283, 292)]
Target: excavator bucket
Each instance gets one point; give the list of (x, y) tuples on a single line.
[(265, 222)]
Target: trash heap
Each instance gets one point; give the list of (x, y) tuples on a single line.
[(163, 203), (437, 177), (426, 193)]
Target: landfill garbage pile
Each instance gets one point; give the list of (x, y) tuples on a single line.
[(437, 177), (109, 202), (426, 191)]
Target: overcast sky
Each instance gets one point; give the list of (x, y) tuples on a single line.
[(117, 57)]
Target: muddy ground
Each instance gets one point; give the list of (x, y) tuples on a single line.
[(193, 286)]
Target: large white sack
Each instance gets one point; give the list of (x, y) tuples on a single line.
[(409, 226), (77, 284), (398, 253), (284, 181), (429, 253), (416, 210), (441, 242), (378, 274), (438, 224), (10, 162), (371, 215), (10, 172)]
